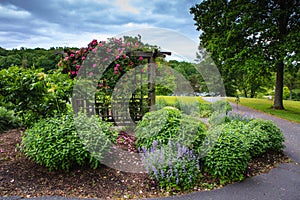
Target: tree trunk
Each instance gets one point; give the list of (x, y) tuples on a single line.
[(252, 92), (278, 99), (283, 23), (245, 93)]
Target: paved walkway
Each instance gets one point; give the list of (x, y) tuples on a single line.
[(281, 183)]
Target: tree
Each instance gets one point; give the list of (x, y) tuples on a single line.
[(236, 31)]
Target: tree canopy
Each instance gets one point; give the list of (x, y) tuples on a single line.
[(249, 39)]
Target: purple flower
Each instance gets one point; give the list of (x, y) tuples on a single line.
[(162, 173), (155, 172)]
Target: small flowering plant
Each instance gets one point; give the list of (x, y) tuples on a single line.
[(174, 166)]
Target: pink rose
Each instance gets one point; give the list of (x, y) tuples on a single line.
[(140, 58), (82, 58), (94, 65)]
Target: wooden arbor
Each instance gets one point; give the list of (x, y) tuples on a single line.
[(140, 101)]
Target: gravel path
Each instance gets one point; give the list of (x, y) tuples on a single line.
[(281, 183)]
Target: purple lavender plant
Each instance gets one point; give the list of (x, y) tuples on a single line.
[(172, 165)]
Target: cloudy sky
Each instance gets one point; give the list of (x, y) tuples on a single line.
[(53, 23)]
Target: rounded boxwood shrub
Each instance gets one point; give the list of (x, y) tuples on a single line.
[(169, 124), (55, 142)]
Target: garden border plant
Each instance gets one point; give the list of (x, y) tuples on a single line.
[(56, 143)]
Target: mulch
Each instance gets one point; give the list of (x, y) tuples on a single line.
[(20, 176)]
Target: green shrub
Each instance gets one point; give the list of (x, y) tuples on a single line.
[(220, 110), (229, 157), (161, 103), (187, 107), (169, 124), (55, 142), (221, 106), (240, 140), (205, 109), (273, 137), (174, 166), (192, 132), (160, 125), (32, 94), (217, 118), (8, 120)]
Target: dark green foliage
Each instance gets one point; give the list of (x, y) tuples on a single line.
[(238, 142), (229, 157), (269, 133), (160, 125), (38, 57), (59, 144), (33, 94), (248, 40), (8, 119), (169, 124)]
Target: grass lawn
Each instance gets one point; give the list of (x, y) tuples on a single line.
[(186, 99), (291, 112)]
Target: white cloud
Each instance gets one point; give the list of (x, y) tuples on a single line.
[(77, 22), (124, 5), (11, 11)]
